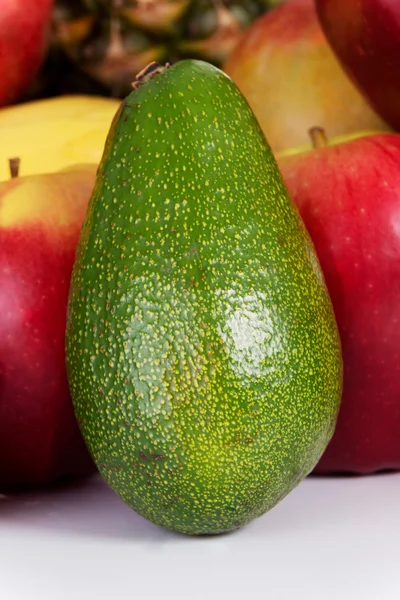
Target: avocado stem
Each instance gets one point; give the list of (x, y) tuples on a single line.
[(14, 164), (152, 69), (318, 137)]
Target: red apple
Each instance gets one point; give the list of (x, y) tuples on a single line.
[(40, 222), (365, 35), (24, 28), (348, 195), (292, 80)]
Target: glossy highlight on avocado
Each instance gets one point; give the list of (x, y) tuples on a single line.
[(203, 355)]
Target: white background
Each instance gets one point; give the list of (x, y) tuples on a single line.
[(331, 538)]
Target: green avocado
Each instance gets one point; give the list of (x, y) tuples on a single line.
[(203, 355)]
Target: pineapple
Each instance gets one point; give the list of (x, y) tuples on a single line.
[(110, 41)]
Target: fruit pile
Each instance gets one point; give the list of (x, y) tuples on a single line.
[(200, 284)]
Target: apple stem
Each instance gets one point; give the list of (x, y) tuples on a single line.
[(318, 137), (14, 167)]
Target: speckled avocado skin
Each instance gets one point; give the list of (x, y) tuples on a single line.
[(202, 350)]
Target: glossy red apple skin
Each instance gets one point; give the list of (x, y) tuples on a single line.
[(365, 35), (292, 80), (40, 221), (24, 29), (349, 198)]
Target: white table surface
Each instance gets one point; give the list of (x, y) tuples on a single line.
[(330, 539)]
